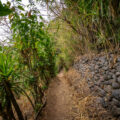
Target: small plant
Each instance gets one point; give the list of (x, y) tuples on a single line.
[(8, 87)]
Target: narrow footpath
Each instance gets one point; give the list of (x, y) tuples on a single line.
[(69, 98), (59, 100)]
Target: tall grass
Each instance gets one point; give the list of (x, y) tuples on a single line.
[(96, 23), (65, 44)]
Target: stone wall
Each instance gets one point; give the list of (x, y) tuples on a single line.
[(102, 74)]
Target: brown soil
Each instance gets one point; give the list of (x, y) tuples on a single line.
[(59, 98), (69, 98)]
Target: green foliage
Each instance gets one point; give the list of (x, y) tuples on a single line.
[(29, 63), (8, 86), (35, 50), (5, 66), (4, 9), (64, 44), (20, 7), (7, 74), (35, 57), (95, 21), (31, 39)]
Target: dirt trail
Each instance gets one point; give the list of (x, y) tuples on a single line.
[(59, 100), (69, 98)]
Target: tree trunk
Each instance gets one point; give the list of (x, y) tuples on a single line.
[(16, 106), (9, 109), (3, 114), (13, 100)]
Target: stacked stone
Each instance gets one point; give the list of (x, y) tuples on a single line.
[(103, 78)]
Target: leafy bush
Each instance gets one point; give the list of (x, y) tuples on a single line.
[(95, 21), (4, 9), (36, 51), (8, 86)]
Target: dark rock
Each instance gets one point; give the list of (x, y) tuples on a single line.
[(103, 80), (118, 59), (108, 88), (107, 72), (115, 85), (114, 76), (118, 79), (105, 68), (100, 100), (103, 59), (117, 73), (97, 71), (118, 67), (115, 102), (96, 59), (116, 94), (107, 83), (101, 92), (113, 70), (105, 77), (109, 76), (113, 80), (115, 111), (104, 103), (96, 78), (96, 67), (92, 73), (106, 63)]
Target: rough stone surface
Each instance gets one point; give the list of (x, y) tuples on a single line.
[(115, 85), (102, 73)]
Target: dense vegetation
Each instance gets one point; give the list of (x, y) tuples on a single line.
[(29, 65), (96, 23), (38, 50)]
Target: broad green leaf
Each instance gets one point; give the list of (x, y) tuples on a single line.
[(20, 7), (4, 10)]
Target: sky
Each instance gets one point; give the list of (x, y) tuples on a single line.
[(43, 10)]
